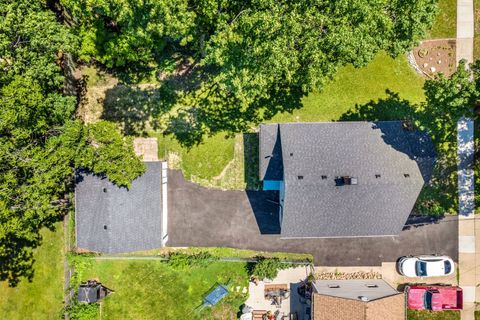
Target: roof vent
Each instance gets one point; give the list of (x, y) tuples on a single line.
[(377, 176), (104, 189), (324, 177), (406, 175), (372, 285), (346, 180), (363, 298), (291, 154), (300, 177), (334, 286), (349, 180), (104, 227)]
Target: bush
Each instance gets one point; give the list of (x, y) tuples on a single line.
[(267, 267), (179, 260), (80, 263), (81, 311)]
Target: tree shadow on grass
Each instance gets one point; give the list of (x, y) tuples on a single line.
[(206, 116), (137, 108), (389, 109)]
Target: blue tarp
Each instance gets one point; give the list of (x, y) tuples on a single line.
[(216, 295)]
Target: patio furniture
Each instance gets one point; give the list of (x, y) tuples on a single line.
[(272, 287), (259, 314), (276, 293)]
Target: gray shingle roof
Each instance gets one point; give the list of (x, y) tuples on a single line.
[(378, 154), (354, 289), (133, 218)]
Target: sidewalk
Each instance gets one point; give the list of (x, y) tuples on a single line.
[(467, 224), (468, 259), (465, 30)]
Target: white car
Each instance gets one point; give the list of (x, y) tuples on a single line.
[(426, 266)]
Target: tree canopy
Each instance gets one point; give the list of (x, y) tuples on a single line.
[(254, 57), (41, 144)]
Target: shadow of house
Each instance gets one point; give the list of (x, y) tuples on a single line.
[(265, 208)]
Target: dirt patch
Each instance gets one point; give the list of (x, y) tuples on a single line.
[(90, 108), (436, 56)]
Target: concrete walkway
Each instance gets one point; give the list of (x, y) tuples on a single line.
[(467, 224), (465, 30)]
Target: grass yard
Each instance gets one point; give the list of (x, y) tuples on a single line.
[(430, 315), (353, 87), (219, 161), (445, 25), (204, 162), (476, 39), (43, 297), (154, 290)]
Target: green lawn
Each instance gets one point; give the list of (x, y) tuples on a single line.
[(43, 297), (476, 43), (359, 86), (445, 25), (216, 161), (154, 290), (430, 315), (204, 161)]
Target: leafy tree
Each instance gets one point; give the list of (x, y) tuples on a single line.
[(36, 180), (120, 33), (32, 43), (40, 143), (254, 58), (277, 51), (448, 99)]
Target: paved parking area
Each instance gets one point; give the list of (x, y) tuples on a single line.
[(204, 217)]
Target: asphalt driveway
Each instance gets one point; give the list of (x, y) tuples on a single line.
[(200, 216)]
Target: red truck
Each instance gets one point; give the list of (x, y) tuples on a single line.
[(436, 298)]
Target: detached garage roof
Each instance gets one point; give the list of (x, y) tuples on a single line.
[(114, 219), (356, 300), (345, 179)]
